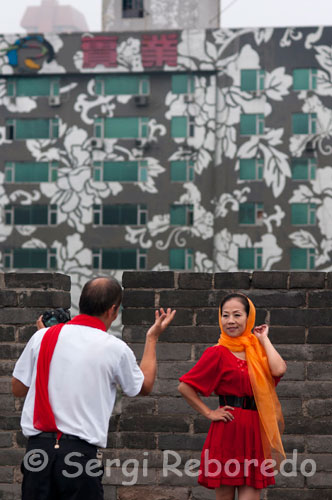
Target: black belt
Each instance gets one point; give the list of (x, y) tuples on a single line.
[(245, 402), (53, 435)]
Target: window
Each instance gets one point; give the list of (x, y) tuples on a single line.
[(181, 258), (252, 124), (132, 8), (183, 126), (304, 79), (252, 79), (121, 171), (121, 128), (37, 128), (183, 84), (119, 258), (182, 171), (250, 258), (302, 259), (31, 172), (182, 215), (303, 214), (30, 258), (36, 215), (251, 169), (32, 86), (251, 213), (115, 215), (122, 85), (303, 169), (304, 123)]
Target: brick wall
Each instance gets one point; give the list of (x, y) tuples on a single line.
[(298, 308), (23, 297)]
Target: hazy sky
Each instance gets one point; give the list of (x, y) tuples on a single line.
[(236, 13)]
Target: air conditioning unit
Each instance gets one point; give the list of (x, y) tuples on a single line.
[(141, 100), (309, 147), (188, 98), (54, 100), (96, 143)]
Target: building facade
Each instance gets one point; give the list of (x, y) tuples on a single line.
[(144, 15), (203, 150)]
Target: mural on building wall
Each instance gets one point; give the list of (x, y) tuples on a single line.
[(213, 145)]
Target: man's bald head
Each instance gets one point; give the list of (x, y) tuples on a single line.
[(99, 295)]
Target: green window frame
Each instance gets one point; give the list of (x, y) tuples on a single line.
[(35, 215), (30, 258), (119, 258), (182, 215), (121, 171), (303, 169), (31, 172), (122, 128), (183, 83), (182, 171), (252, 80), (304, 79), (250, 213), (182, 126), (181, 259), (36, 128), (302, 259), (38, 86), (122, 85), (304, 123), (115, 215), (250, 258), (303, 214), (252, 124), (251, 169)]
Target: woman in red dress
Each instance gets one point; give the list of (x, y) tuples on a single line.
[(243, 448)]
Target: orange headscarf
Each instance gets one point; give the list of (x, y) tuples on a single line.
[(267, 402)]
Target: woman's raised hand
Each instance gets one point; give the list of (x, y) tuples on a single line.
[(221, 413), (261, 332)]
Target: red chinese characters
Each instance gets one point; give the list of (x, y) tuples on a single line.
[(158, 50), (99, 50)]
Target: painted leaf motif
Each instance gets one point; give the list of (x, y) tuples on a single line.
[(276, 169), (303, 239), (324, 83), (277, 84), (263, 35), (324, 57), (249, 149)]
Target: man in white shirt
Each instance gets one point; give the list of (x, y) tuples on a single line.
[(69, 374)]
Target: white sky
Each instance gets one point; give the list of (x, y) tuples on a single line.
[(237, 13)]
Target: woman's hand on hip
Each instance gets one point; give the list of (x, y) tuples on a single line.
[(221, 413)]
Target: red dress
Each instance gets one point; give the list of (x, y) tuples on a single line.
[(221, 372)]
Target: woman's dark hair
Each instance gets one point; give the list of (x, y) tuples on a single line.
[(242, 298), (99, 295)]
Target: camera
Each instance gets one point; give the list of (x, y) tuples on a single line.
[(51, 318)]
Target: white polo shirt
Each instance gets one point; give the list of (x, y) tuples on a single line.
[(86, 366)]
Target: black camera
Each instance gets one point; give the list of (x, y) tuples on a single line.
[(56, 316)]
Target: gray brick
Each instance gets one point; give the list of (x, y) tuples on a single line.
[(295, 371), (194, 298), (20, 316), (307, 280), (8, 298), (232, 280), (319, 371), (45, 299), (11, 351), (298, 494), (153, 493), (21, 440), (11, 456), (201, 425), (133, 316), (320, 298), (290, 389), (6, 368), (286, 335), (25, 332), (170, 370), (10, 491), (139, 405), (154, 423), (9, 422), (195, 281), (181, 442), (6, 439), (328, 280), (319, 352), (201, 493), (163, 387), (148, 279), (308, 425), (138, 298), (283, 298), (166, 352), (291, 407), (289, 317), (319, 444), (7, 334), (271, 279), (319, 407), (6, 474), (207, 316), (292, 352), (140, 440), (7, 402), (38, 280), (320, 480), (293, 442), (320, 335), (187, 334), (5, 385), (109, 492), (320, 390)]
